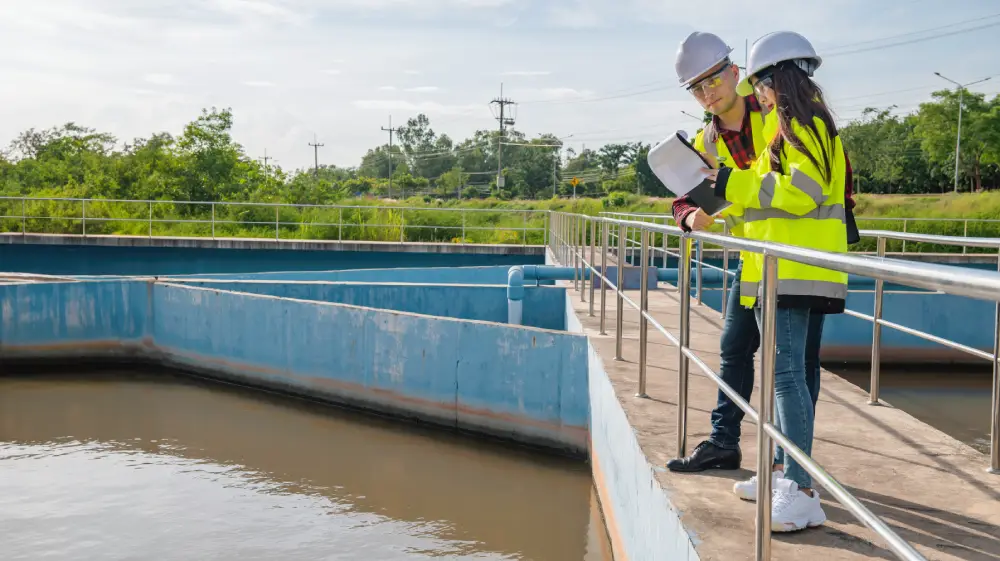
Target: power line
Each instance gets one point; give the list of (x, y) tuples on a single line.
[(316, 146), (910, 33), (911, 41)]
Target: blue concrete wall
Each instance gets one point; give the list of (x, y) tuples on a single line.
[(965, 320), (86, 318), (103, 260), (520, 383), (544, 307)]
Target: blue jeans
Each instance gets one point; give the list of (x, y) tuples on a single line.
[(740, 341), (794, 410)]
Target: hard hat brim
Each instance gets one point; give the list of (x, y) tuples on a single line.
[(744, 88), (702, 73)]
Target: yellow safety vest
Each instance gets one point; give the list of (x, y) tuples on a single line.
[(796, 207), (710, 142)]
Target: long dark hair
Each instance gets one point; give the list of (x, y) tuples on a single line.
[(800, 98)]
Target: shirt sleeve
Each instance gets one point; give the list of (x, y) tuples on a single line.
[(682, 207)]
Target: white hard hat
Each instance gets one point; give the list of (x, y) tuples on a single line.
[(698, 54), (776, 47)]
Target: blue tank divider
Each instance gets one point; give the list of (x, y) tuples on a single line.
[(517, 383)]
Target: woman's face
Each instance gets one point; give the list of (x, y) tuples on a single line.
[(764, 88)]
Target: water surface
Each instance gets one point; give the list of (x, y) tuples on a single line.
[(123, 466)]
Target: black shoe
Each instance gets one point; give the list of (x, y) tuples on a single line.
[(707, 456)]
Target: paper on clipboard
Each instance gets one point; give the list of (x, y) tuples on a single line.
[(678, 165)]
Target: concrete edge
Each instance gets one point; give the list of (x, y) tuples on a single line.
[(641, 521)]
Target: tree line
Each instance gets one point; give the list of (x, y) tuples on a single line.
[(890, 153)]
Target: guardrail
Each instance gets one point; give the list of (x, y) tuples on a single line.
[(569, 240), (335, 222), (992, 226)]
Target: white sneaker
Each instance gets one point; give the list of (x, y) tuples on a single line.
[(792, 510), (747, 490)]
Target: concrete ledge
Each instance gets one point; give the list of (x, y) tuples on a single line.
[(262, 243)]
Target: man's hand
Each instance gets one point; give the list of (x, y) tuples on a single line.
[(698, 220)]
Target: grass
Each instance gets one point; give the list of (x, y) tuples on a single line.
[(487, 221)]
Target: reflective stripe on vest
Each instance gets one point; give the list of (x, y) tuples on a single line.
[(834, 212), (797, 287)]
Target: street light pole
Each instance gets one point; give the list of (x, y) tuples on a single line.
[(958, 136)]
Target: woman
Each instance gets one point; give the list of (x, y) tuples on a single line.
[(794, 195)]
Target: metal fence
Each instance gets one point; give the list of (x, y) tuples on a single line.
[(41, 215), (572, 235)]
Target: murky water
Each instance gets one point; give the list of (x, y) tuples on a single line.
[(120, 466), (954, 400)]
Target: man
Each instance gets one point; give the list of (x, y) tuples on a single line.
[(734, 137)]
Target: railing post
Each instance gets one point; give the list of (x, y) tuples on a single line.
[(571, 244), (545, 228), (873, 391), (995, 411), (904, 231), (213, 221), (277, 236), (593, 263), (643, 306), (604, 273), (725, 274), (340, 224), (684, 290), (765, 409), (701, 257), (85, 218), (150, 219), (402, 225), (524, 231), (965, 234), (666, 243), (24, 218), (620, 287), (583, 254)]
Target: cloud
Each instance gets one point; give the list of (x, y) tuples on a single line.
[(422, 107), (423, 89), (258, 83), (332, 72), (412, 72), (387, 88), (160, 79), (526, 73)]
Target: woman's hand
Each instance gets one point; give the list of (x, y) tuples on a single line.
[(710, 174)]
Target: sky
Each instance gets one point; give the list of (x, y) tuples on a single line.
[(589, 71)]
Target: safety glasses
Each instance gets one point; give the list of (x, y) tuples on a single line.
[(762, 80), (710, 82)]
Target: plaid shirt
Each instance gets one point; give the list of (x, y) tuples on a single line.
[(740, 145)]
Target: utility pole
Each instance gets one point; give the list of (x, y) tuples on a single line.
[(265, 159), (391, 131), (502, 102), (316, 146), (958, 137)]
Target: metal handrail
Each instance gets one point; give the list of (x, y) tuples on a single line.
[(277, 223), (568, 246), (876, 319)]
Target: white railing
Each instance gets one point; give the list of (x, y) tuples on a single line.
[(572, 234)]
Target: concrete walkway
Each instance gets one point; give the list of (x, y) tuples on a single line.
[(932, 489)]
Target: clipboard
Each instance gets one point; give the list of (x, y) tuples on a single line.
[(678, 165)]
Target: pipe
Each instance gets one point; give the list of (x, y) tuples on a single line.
[(515, 295)]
